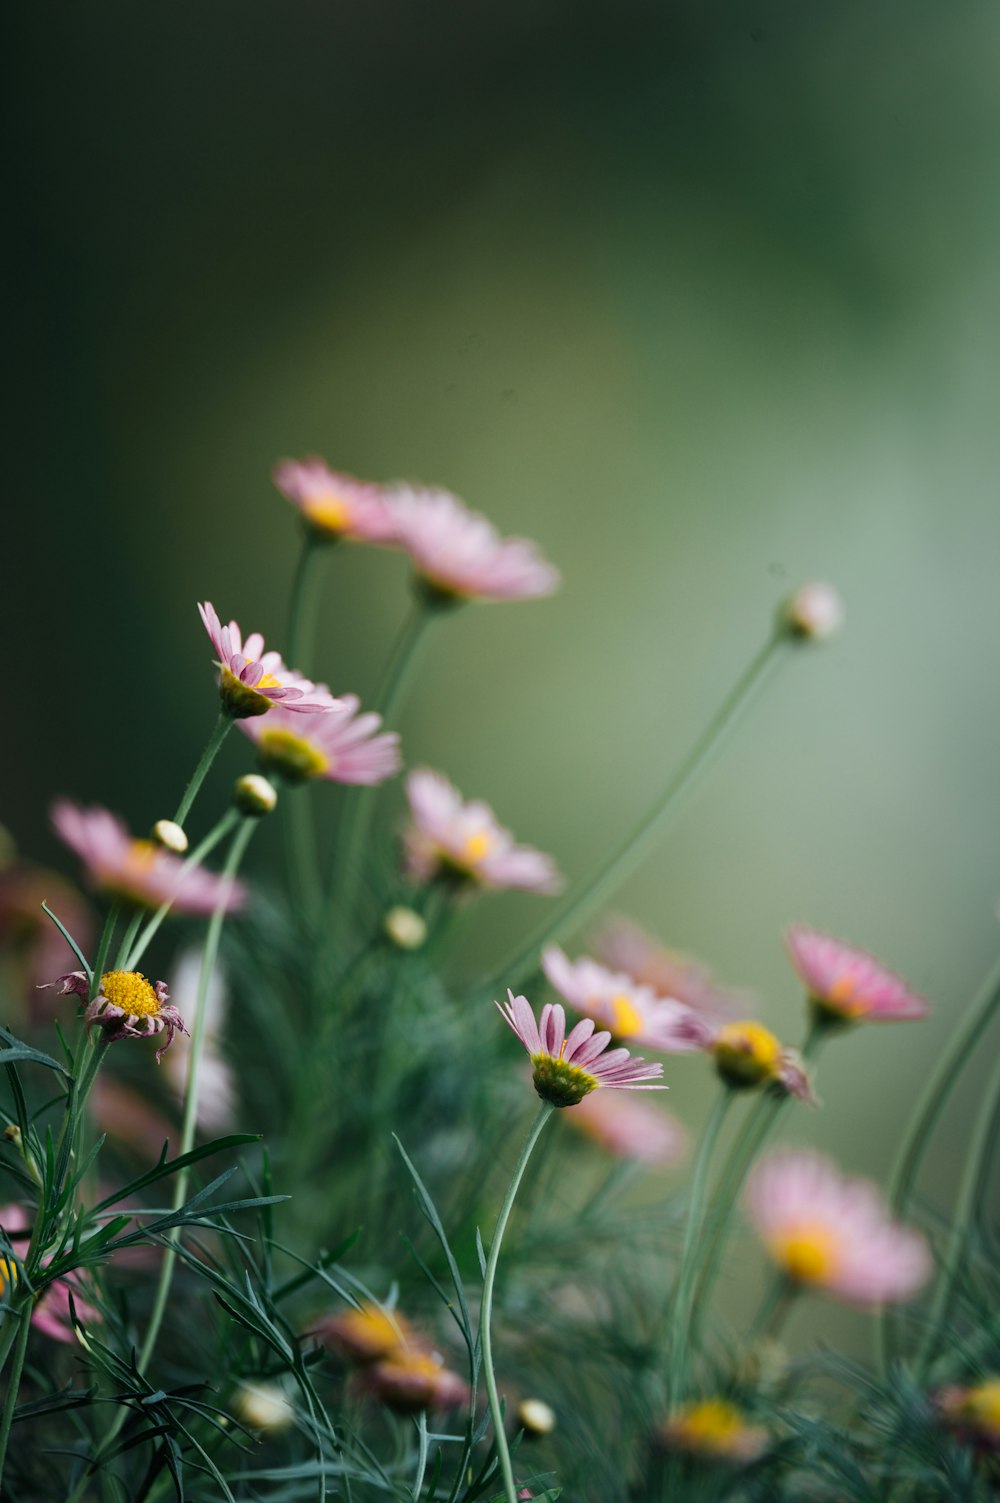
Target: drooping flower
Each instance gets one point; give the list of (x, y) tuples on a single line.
[(973, 1413), (251, 680), (747, 1055), (630, 1129), (847, 985), (449, 837), (339, 744), (714, 1430), (815, 611), (335, 505), (51, 1313), (828, 1232), (126, 1006), (567, 1068), (412, 1379), (460, 555), (622, 945), (626, 1008), (139, 872)]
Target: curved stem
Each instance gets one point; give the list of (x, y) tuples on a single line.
[(773, 1309), (305, 602), (14, 1383), (577, 907), (486, 1313), (197, 856), (219, 734)]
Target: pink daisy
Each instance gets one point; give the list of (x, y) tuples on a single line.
[(623, 946), (847, 985), (127, 1006), (460, 554), (339, 744), (833, 1233), (253, 680), (138, 871), (449, 836), (51, 1312), (630, 1129), (628, 1010), (334, 504), (567, 1068), (747, 1054)]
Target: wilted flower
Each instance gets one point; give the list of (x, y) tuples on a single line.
[(460, 555), (622, 945), (973, 1413), (366, 1334), (833, 1233), (815, 610), (51, 1313), (127, 1006), (449, 836), (748, 1054), (411, 1379), (253, 680), (630, 1129), (263, 1406), (847, 985), (139, 872), (567, 1068), (338, 744), (714, 1430), (626, 1008), (335, 505)]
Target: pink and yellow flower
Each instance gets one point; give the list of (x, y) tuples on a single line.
[(338, 745), (126, 1006), (827, 1232), (627, 1009), (973, 1414), (630, 1129), (251, 680), (460, 554), (847, 985), (451, 837), (623, 946), (747, 1054), (412, 1379), (51, 1312), (335, 505), (139, 872), (714, 1430), (568, 1067)]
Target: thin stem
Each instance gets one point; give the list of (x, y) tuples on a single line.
[(104, 945), (486, 1313), (21, 1346), (773, 1309), (219, 734), (197, 856), (305, 602), (578, 905)]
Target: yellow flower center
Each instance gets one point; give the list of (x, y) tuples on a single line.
[(130, 991), (8, 1275), (561, 1083), (842, 997), (328, 512), (746, 1054), (293, 757), (625, 1019), (710, 1426), (476, 847), (982, 1404), (808, 1254)]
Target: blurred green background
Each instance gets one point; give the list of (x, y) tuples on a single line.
[(702, 297)]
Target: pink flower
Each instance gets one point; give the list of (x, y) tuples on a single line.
[(51, 1314), (339, 744), (833, 1233), (622, 946), (460, 554), (138, 871), (747, 1054), (568, 1068), (847, 985), (630, 1129), (126, 1006), (449, 836), (253, 680), (334, 504), (628, 1010)]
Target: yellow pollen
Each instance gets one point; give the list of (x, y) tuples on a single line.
[(130, 991), (625, 1020), (328, 512), (475, 847), (268, 682), (808, 1254), (8, 1275)]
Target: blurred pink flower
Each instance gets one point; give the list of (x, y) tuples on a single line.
[(334, 504), (137, 871), (448, 835), (628, 1010), (714, 1430), (460, 554), (747, 1054), (28, 935), (253, 680), (339, 745), (623, 946), (129, 1117), (127, 1006), (973, 1414), (849, 985), (833, 1233), (568, 1068), (409, 1380), (630, 1129), (51, 1313)]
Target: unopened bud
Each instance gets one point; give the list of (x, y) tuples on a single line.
[(12, 1134), (254, 795), (263, 1406), (405, 928), (170, 836), (815, 611), (537, 1417)]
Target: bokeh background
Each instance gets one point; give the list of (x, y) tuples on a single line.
[(703, 297)]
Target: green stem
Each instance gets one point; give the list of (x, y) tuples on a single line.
[(301, 854), (104, 945), (773, 1309), (486, 1313), (219, 734), (197, 856), (17, 1369), (577, 907), (305, 602)]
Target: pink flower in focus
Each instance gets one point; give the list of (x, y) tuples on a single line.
[(137, 871), (460, 554), (334, 504), (628, 1010), (630, 1129), (126, 1006), (847, 985), (339, 744), (567, 1068), (450, 836), (623, 946), (253, 680), (51, 1313), (833, 1233)]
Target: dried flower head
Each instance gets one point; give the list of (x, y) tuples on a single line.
[(459, 554), (451, 838), (847, 985), (567, 1068), (714, 1430), (251, 680), (126, 1006), (338, 745), (832, 1233), (333, 504), (627, 1009)]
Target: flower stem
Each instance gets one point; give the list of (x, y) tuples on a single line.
[(197, 856), (773, 1309), (219, 734), (104, 945), (14, 1382), (486, 1313), (301, 639), (577, 907)]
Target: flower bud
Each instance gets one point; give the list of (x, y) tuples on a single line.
[(12, 1134), (254, 795), (168, 835), (536, 1416), (405, 928), (815, 611), (263, 1406)]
